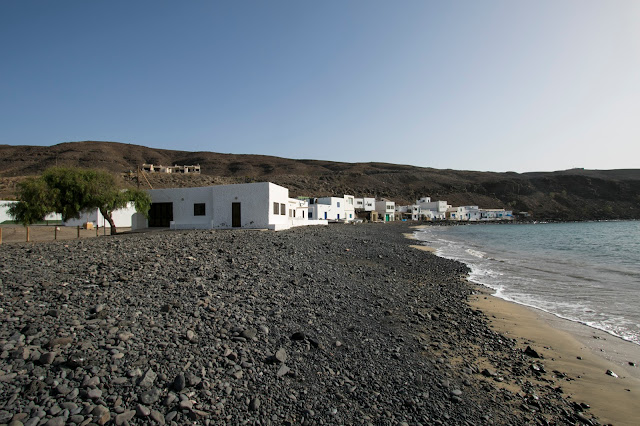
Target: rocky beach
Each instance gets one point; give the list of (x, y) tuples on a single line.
[(342, 324)]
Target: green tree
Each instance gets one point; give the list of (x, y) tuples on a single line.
[(34, 202), (70, 191)]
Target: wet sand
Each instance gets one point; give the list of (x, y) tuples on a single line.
[(582, 353)]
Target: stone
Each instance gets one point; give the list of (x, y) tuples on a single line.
[(148, 379), (60, 341), (298, 335), (142, 411), (249, 334), (179, 382), (283, 370), (101, 414), (489, 373), (191, 379), (254, 404), (150, 396), (280, 355), (529, 351), (47, 358), (125, 336), (185, 404), (157, 417), (94, 394), (56, 421), (124, 417)]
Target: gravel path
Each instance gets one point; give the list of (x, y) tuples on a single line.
[(343, 324)]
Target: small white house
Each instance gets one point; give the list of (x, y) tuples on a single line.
[(262, 205), (411, 212), (496, 214), (366, 204), (327, 208), (386, 210), (433, 210), (471, 213), (349, 208)]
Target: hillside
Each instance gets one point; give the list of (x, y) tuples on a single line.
[(564, 195)]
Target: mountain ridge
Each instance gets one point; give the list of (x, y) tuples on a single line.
[(575, 194)]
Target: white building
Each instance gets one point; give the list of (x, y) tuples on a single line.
[(386, 210), (412, 212), (327, 208), (123, 218), (433, 210), (365, 204), (471, 213), (496, 214), (261, 205), (349, 208)]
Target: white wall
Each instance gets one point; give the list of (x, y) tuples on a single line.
[(385, 208), (4, 212), (333, 206), (121, 217), (256, 206), (349, 208)]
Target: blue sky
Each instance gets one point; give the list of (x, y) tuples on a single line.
[(476, 85)]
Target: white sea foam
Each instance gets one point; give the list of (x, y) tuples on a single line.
[(569, 270)]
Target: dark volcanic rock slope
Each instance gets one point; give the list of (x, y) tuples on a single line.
[(327, 325), (569, 195)]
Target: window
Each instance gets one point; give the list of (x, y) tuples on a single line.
[(276, 208), (303, 214), (310, 215), (338, 204), (199, 209), (283, 210)]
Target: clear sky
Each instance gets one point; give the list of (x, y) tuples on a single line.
[(477, 85)]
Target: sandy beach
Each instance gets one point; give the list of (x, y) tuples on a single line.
[(578, 356)]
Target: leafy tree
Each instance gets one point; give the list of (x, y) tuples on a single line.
[(70, 191), (33, 203)]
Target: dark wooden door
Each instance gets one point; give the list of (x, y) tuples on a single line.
[(236, 221), (160, 214)]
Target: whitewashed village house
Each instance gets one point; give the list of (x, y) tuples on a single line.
[(411, 212), (261, 205), (386, 210), (327, 208), (365, 208), (433, 210), (496, 214)]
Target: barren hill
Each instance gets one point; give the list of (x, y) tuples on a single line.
[(568, 195)]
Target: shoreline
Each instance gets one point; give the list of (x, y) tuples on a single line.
[(567, 349), (331, 325), (582, 354)]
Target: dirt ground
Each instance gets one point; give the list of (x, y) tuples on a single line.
[(14, 234)]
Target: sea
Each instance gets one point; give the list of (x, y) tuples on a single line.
[(587, 272)]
